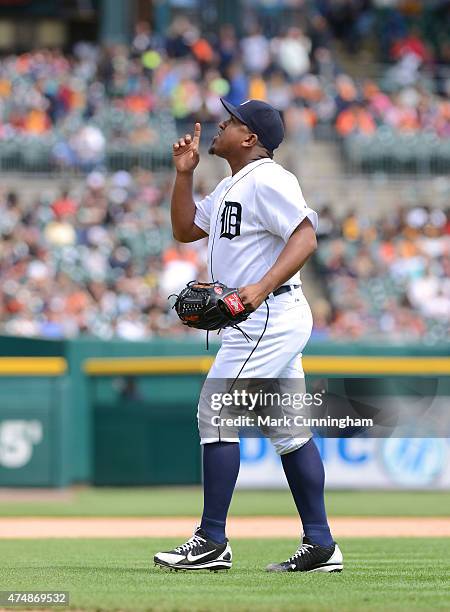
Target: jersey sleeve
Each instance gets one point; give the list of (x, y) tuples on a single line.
[(281, 207), (203, 212)]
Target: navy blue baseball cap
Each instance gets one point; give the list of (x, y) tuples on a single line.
[(263, 120)]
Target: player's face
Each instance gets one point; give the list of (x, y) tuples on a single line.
[(228, 139)]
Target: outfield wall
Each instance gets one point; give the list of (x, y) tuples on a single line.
[(120, 413)]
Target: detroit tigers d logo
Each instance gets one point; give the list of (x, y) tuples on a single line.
[(231, 220)]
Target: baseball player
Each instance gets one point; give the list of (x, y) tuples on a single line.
[(260, 233)]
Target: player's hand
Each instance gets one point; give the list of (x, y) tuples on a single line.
[(252, 296), (185, 151)]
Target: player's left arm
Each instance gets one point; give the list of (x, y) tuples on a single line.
[(300, 246)]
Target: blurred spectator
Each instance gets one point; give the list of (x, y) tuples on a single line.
[(350, 20), (238, 83), (385, 278), (181, 34), (180, 265), (64, 206), (355, 119), (292, 53), (411, 44), (346, 92), (88, 147), (255, 51), (228, 46)]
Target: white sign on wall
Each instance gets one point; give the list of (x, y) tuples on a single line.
[(356, 463), (17, 440)]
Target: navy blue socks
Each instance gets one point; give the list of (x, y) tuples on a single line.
[(304, 472), (306, 477), (220, 471)]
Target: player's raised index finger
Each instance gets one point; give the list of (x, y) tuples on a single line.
[(197, 132)]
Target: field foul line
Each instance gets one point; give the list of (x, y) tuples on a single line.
[(238, 527)]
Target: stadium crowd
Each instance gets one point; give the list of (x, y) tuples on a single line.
[(91, 261), (100, 260), (83, 103), (387, 277)]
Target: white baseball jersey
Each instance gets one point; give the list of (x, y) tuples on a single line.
[(249, 218)]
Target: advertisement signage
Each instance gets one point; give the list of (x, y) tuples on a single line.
[(388, 463)]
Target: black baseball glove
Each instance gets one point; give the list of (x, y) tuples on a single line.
[(210, 306)]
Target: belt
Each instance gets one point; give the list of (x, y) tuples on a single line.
[(285, 289)]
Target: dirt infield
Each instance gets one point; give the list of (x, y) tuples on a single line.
[(238, 527)]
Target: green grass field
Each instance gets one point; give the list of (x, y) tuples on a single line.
[(379, 574), (106, 574), (179, 501)]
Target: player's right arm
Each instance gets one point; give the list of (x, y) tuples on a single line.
[(185, 158)]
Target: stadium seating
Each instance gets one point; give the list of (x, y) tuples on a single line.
[(101, 261), (117, 111), (384, 287), (388, 151)]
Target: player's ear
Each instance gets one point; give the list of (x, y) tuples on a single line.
[(250, 141)]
